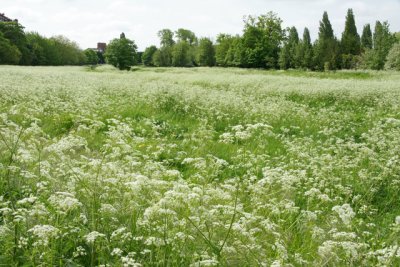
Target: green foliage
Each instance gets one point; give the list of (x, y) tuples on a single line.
[(166, 37), (184, 35), (68, 51), (14, 32), (148, 54), (206, 53), (261, 42), (54, 51), (326, 51), (366, 38), (91, 57), (163, 57), (287, 56), (383, 42), (121, 53), (393, 58), (181, 55), (198, 167), (350, 43), (224, 43), (9, 53), (304, 52), (235, 56)]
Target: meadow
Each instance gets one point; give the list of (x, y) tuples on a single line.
[(198, 167)]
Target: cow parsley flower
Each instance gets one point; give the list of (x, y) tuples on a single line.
[(92, 236), (345, 213)]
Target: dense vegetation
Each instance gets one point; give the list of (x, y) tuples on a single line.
[(198, 167), (18, 47), (263, 44)]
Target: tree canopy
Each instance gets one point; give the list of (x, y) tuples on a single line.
[(121, 53)]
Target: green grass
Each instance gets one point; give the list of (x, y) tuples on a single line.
[(198, 167)]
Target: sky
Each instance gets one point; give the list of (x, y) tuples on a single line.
[(90, 21)]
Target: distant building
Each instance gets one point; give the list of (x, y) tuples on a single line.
[(3, 18), (101, 47)]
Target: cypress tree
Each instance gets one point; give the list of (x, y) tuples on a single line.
[(308, 50), (383, 42), (366, 38), (327, 47), (287, 56), (351, 43)]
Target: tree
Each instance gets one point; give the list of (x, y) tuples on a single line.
[(68, 51), (287, 56), (206, 53), (186, 36), (181, 55), (166, 38), (393, 58), (350, 43), (224, 42), (148, 54), (327, 47), (304, 52), (37, 45), (261, 41), (382, 43), (9, 53), (121, 53), (91, 57), (366, 38), (14, 32), (163, 57)]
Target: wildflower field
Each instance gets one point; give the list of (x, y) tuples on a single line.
[(198, 167)]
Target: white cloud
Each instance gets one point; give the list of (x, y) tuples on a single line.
[(88, 22)]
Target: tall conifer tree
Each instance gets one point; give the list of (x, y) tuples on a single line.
[(366, 38)]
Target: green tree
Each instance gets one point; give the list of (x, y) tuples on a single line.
[(14, 32), (393, 58), (366, 38), (163, 57), (304, 52), (181, 55), (350, 42), (383, 42), (186, 36), (235, 56), (166, 38), (91, 57), (148, 54), (37, 45), (68, 51), (9, 53), (287, 55), (224, 42), (261, 41), (121, 53), (326, 50), (206, 53)]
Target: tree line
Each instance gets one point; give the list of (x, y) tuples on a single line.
[(30, 48), (264, 43)]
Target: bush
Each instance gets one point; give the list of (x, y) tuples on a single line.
[(393, 58)]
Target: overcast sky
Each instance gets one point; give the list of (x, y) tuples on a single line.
[(90, 21)]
